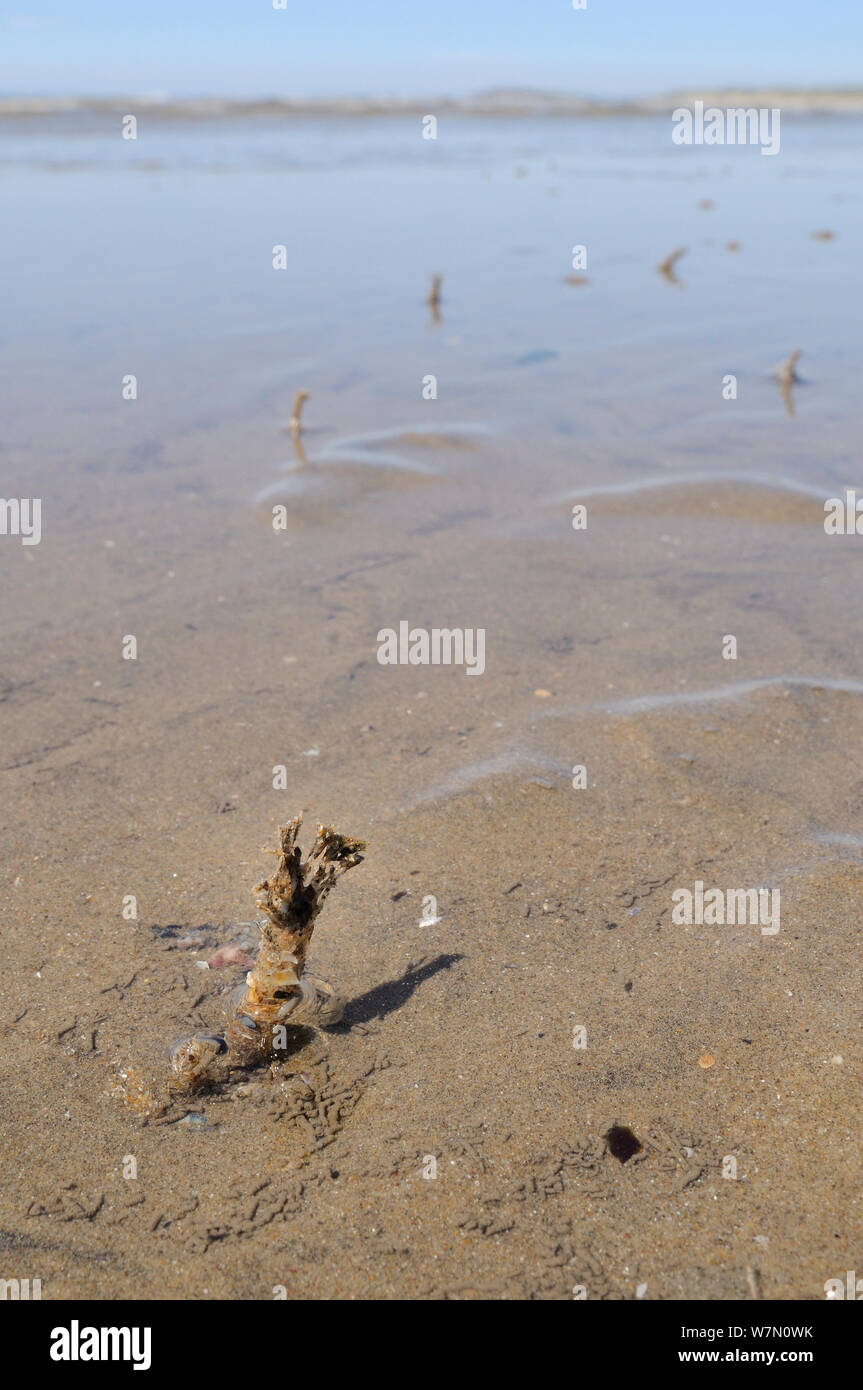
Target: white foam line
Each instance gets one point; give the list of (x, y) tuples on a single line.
[(496, 766), (767, 480), (642, 704), (363, 448), (454, 433), (366, 457), (298, 479)]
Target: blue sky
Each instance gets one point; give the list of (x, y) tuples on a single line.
[(418, 47)]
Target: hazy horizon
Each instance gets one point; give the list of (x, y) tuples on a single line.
[(466, 96), (377, 49)]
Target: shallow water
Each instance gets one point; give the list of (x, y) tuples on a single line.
[(154, 256)]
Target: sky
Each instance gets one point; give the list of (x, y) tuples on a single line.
[(412, 48)]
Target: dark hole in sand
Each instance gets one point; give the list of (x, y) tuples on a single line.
[(623, 1143)]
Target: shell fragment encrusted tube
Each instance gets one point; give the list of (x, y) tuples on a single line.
[(278, 994)]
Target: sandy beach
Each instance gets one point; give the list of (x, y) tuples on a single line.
[(517, 989)]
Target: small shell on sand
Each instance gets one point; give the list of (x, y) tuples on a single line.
[(320, 1005), (192, 1057), (230, 955)]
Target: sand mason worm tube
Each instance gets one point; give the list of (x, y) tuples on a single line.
[(278, 992)]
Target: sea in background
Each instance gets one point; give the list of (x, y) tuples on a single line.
[(155, 257)]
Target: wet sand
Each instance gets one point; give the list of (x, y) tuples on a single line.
[(257, 649)]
